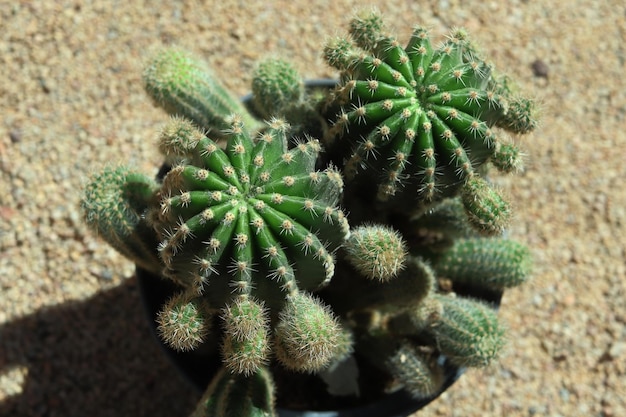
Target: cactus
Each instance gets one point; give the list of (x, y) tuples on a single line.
[(377, 252), (278, 91), (467, 331), (415, 371), (308, 336), (184, 322), (236, 395), (425, 116), (254, 210), (276, 85), (113, 205), (491, 263), (184, 86), (248, 217)]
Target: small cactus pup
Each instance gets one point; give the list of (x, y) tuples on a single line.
[(420, 120), (276, 85), (235, 395), (184, 86), (114, 204), (278, 90)]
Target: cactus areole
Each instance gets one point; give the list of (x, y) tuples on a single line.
[(336, 248)]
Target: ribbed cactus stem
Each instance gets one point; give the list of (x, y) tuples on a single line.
[(467, 331), (424, 114), (184, 321), (276, 85), (487, 211), (308, 336), (182, 85), (420, 376), (492, 263), (237, 395), (113, 204)]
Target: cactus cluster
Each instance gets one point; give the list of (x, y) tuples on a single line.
[(249, 218)]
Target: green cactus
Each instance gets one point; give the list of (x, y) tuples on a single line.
[(237, 395), (276, 85), (417, 373), (253, 211), (487, 211), (278, 90), (308, 336), (377, 252), (467, 331), (247, 217), (491, 263), (113, 205), (246, 336), (508, 158), (424, 115), (184, 322), (182, 85)]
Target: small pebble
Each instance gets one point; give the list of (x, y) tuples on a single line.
[(540, 68), (15, 135)]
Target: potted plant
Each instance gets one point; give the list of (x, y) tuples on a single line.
[(327, 247)]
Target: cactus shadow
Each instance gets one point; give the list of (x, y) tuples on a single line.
[(95, 357)]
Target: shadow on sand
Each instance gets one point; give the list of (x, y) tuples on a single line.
[(93, 358)]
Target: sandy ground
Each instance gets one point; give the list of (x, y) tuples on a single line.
[(73, 340)]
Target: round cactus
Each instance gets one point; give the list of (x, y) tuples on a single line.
[(253, 219), (184, 322), (376, 251), (418, 116)]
